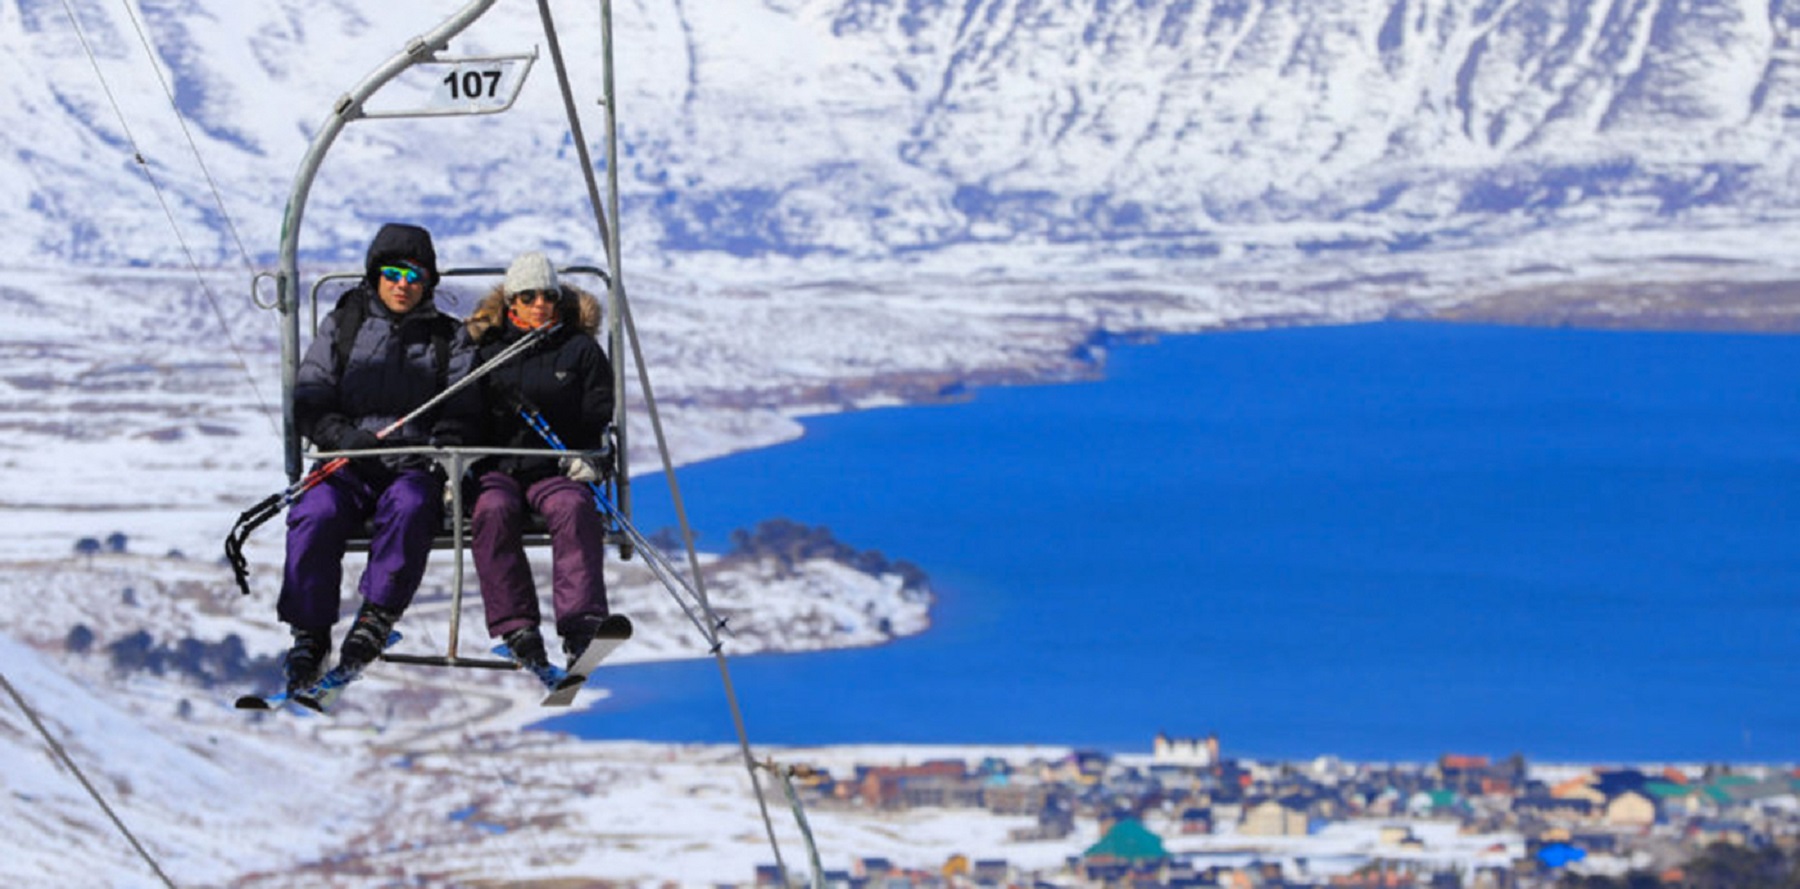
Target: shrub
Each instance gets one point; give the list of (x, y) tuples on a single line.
[(79, 640)]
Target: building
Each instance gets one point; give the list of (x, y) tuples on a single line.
[(938, 783), (1274, 818), (1632, 808), (1200, 753)]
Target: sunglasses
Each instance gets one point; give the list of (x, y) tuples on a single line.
[(400, 274), (528, 297)]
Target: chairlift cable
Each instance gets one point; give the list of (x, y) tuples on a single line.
[(581, 149), (144, 165), (63, 756), (618, 290), (662, 447), (616, 277), (181, 119)]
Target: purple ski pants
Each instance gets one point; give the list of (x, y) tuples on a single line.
[(407, 513), (577, 550)]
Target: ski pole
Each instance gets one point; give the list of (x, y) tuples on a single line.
[(654, 558), (271, 506)]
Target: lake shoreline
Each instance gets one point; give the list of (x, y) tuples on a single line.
[(1326, 459)]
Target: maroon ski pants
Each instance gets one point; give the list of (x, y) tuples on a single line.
[(577, 548)]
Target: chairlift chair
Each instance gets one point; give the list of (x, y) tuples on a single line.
[(474, 85)]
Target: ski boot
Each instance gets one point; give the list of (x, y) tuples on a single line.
[(525, 646), (367, 638), (305, 662), (580, 631)]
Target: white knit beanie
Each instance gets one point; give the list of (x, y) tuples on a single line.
[(531, 271)]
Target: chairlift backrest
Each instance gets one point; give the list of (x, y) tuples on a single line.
[(578, 271), (536, 534)]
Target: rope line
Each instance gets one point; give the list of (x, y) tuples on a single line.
[(137, 154), (63, 756)]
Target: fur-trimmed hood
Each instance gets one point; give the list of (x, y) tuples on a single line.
[(576, 305)]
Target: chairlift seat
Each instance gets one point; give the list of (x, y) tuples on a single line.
[(535, 533)]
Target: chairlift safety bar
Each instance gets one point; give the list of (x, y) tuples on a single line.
[(456, 460)]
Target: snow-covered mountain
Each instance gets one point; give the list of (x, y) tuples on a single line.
[(878, 128), (829, 204)]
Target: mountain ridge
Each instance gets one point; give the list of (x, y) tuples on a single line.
[(867, 129)]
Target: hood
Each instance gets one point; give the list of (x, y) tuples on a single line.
[(396, 241), (576, 306)]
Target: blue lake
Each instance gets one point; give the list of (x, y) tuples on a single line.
[(1381, 542)]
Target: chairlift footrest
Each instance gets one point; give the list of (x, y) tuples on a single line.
[(438, 660)]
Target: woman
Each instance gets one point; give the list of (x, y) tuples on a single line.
[(567, 379)]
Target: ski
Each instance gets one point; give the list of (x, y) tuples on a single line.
[(612, 633), (277, 700), (321, 695), (262, 702), (549, 674)]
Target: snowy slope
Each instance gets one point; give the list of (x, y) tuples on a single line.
[(217, 795)]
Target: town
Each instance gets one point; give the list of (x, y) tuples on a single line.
[(1185, 816)]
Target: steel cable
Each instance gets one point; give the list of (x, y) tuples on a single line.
[(63, 756), (155, 186)]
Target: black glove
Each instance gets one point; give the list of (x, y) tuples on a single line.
[(448, 434), (358, 439)]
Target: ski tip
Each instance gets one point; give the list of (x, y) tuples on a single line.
[(253, 702), (564, 693)]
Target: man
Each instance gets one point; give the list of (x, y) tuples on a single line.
[(384, 351)]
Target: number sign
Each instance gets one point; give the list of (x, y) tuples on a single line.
[(478, 86)]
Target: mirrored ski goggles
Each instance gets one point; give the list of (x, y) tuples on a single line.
[(401, 274)]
